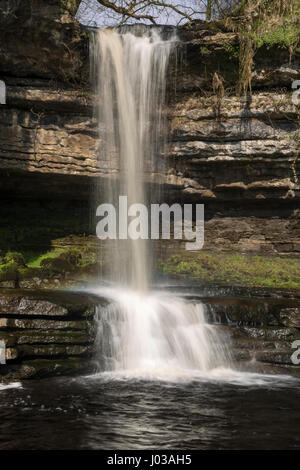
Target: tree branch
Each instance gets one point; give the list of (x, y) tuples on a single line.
[(125, 11)]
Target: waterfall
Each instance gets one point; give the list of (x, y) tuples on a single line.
[(130, 71), (157, 333), (141, 330)]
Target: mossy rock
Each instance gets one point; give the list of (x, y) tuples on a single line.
[(2, 257), (72, 256), (57, 265), (247, 270), (91, 268), (29, 273), (15, 257), (9, 272)]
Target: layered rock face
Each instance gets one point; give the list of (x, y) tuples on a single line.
[(261, 332), (237, 155), (244, 167), (46, 335), (52, 333), (239, 158), (42, 40)]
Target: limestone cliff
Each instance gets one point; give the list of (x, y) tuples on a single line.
[(239, 157)]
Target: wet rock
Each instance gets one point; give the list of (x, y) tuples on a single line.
[(241, 355), (40, 368), (14, 305), (255, 346), (290, 317), (70, 366), (50, 351), (46, 337), (42, 324), (11, 354), (270, 333), (48, 303), (55, 327), (274, 357), (247, 313)]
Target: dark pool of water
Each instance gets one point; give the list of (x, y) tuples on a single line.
[(252, 412)]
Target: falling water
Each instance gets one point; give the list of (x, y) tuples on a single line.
[(130, 71), (157, 334), (140, 330)]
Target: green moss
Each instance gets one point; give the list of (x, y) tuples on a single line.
[(34, 259), (9, 272), (261, 26), (77, 256), (283, 36), (243, 270), (15, 257), (295, 137), (15, 266), (233, 51), (10, 266), (28, 273), (204, 50)]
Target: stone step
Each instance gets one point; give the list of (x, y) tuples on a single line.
[(41, 324), (12, 338), (52, 350)]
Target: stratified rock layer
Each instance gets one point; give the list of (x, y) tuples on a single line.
[(46, 334), (239, 158), (260, 332)]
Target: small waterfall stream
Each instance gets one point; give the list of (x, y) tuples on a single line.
[(141, 331)]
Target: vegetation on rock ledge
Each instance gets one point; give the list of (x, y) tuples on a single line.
[(235, 269), (54, 263), (264, 23)]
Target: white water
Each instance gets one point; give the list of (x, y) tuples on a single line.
[(157, 334), (130, 72), (142, 333), (10, 385)]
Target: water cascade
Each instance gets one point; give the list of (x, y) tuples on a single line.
[(157, 334), (130, 70), (140, 330)]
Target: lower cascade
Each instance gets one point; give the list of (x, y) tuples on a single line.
[(157, 334), (141, 331)]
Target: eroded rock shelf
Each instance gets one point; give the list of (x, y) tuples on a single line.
[(47, 334)]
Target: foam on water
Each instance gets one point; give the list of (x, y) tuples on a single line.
[(217, 376), (10, 385)]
